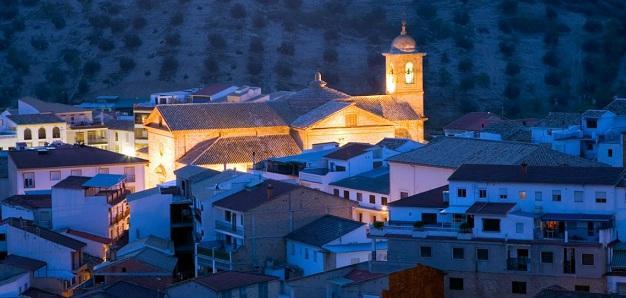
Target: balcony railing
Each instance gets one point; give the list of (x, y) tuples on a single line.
[(569, 267), (518, 264), (439, 229), (228, 227), (97, 140), (115, 196)]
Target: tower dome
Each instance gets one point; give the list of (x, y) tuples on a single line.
[(404, 43)]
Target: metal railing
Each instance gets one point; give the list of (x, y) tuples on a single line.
[(518, 264)]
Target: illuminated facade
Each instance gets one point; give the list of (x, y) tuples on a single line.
[(235, 135)]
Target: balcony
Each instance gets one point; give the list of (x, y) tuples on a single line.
[(586, 228), (220, 255), (115, 196), (228, 228), (96, 141), (518, 264), (435, 230)]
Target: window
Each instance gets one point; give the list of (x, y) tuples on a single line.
[(374, 219), (482, 254), (578, 196), (538, 197), (461, 192), (556, 195), (429, 218), (28, 135), (130, 174), (77, 172), (227, 215), (314, 256), (518, 287), (372, 199), (491, 225), (456, 283), (117, 138), (482, 193), (404, 194), (547, 257), (522, 195), (293, 249), (336, 192), (409, 77), (346, 194), (601, 197), (41, 133), (609, 153), (103, 170), (588, 259), (306, 253), (55, 175), (519, 227), (426, 251), (29, 180), (3, 237), (56, 133), (360, 217), (458, 253), (592, 123), (503, 193), (351, 120), (582, 288), (359, 196), (383, 201)]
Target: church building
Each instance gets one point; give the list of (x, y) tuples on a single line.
[(236, 135)]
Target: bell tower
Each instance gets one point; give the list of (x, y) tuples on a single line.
[(404, 71)]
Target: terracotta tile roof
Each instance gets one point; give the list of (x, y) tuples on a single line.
[(7, 272), (69, 156), (89, 236), (39, 293), (29, 201), (116, 124), (50, 107), (538, 174), (146, 260), (52, 236), (254, 196), (240, 150), (219, 116), (473, 121), (376, 180), (319, 113), (228, 280), (509, 130), (358, 275), (450, 152), (392, 143), (617, 106), (35, 119), (323, 230), (72, 182), (211, 89), (594, 113), (429, 199), (23, 262), (349, 150), (385, 106), (559, 120), (123, 289)]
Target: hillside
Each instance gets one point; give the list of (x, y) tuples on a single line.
[(520, 57)]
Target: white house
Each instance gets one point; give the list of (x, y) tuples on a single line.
[(101, 199), (330, 242), (13, 281), (96, 246), (36, 130), (34, 207), (39, 170), (121, 136), (150, 214), (370, 190)]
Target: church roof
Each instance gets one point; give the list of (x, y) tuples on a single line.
[(385, 106), (319, 113), (240, 149)]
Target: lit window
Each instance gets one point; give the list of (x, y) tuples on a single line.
[(600, 196), (351, 120), (408, 73), (522, 195), (55, 175), (372, 199)]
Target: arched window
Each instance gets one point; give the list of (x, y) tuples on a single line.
[(28, 135), (56, 133), (408, 73), (161, 175), (391, 80), (41, 134)]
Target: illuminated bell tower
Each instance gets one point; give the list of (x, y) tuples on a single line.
[(404, 71)]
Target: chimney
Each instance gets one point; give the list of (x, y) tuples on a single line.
[(524, 166), (270, 189)]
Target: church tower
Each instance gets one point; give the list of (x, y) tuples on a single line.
[(404, 71)]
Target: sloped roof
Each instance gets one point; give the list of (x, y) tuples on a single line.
[(69, 156), (8, 271), (212, 89), (509, 130), (159, 261), (451, 152), (29, 201), (538, 174), (473, 121), (240, 149), (559, 120), (23, 262), (617, 106), (490, 208), (50, 107), (376, 180), (594, 113), (35, 119), (219, 116), (227, 280), (72, 182), (254, 196), (429, 199), (393, 143), (88, 236), (44, 233), (122, 289), (117, 124), (319, 113), (192, 172), (323, 230), (385, 106), (348, 151)]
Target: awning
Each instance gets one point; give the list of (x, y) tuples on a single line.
[(576, 216), (455, 209), (104, 180)]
